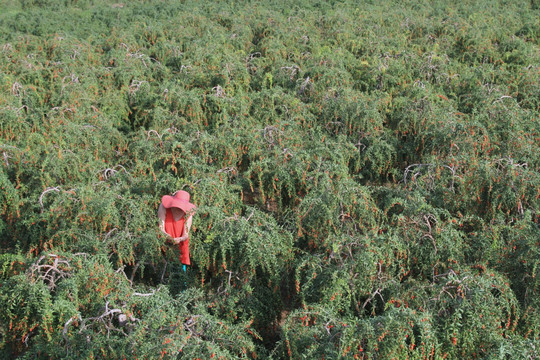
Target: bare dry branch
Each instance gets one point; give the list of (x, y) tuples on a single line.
[(135, 86), (220, 93), (227, 170), (50, 273), (291, 70), (49, 189), (16, 89), (305, 85), (147, 294), (109, 172)]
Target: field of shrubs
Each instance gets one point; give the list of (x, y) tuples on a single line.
[(366, 175)]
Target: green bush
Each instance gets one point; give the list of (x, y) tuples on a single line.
[(366, 176)]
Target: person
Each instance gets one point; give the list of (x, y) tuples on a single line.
[(175, 216)]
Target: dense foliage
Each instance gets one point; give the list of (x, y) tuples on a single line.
[(367, 177)]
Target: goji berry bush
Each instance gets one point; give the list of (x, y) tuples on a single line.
[(366, 176)]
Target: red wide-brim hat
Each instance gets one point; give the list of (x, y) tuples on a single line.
[(179, 200)]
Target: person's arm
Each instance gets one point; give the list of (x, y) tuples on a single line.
[(162, 214), (187, 226)]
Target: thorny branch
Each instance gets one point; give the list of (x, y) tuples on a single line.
[(378, 289), (184, 68), (138, 55), (453, 283), (411, 168), (268, 134), (372, 296), (17, 111), (49, 189), (105, 318), (147, 294), (109, 233), (66, 326), (171, 130), (291, 70), (219, 92), (510, 162), (237, 217), (6, 156), (219, 289), (305, 84), (252, 56), (109, 172), (189, 323), (50, 273), (228, 170), (428, 218), (16, 89), (135, 86), (501, 100)]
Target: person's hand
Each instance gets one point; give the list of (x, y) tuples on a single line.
[(178, 240)]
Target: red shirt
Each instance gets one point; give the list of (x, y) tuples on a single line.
[(176, 229)]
